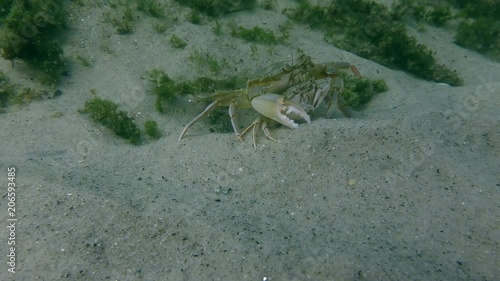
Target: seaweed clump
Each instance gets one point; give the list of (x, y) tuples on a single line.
[(216, 8), (255, 34), (6, 91), (28, 30), (151, 128), (358, 91), (432, 12), (123, 20), (177, 42), (11, 93), (477, 8), (369, 30), (481, 35), (164, 88), (151, 7), (27, 95), (480, 30), (167, 90), (205, 61), (107, 113)]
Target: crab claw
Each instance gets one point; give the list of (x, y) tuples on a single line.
[(280, 109)]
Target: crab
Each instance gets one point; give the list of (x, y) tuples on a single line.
[(286, 97)]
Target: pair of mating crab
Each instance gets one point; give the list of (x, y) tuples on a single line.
[(285, 97)]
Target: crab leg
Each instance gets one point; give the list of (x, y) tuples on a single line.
[(255, 124), (267, 133), (355, 70), (275, 86), (345, 65), (210, 108), (234, 123), (205, 112), (320, 95)]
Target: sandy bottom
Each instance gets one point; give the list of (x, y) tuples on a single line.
[(409, 189)]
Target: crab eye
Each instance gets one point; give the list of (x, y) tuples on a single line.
[(331, 70)]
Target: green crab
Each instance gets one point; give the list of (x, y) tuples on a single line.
[(285, 97)]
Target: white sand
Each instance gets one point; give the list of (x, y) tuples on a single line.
[(425, 158)]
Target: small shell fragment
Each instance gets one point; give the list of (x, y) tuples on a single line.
[(351, 182)]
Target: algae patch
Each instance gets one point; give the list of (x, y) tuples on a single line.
[(106, 112), (369, 30)]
